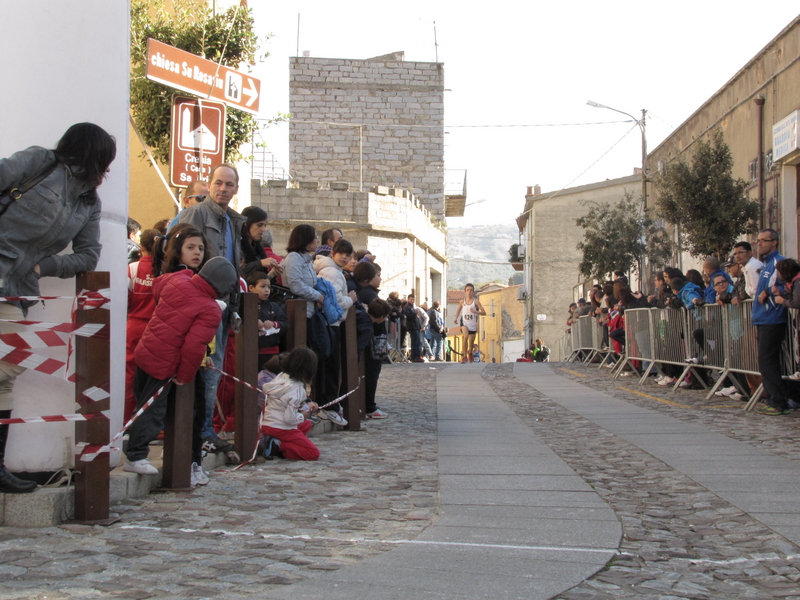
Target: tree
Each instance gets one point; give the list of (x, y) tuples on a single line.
[(619, 237), (710, 207), (190, 26)]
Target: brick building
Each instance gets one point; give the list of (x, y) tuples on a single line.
[(366, 147)]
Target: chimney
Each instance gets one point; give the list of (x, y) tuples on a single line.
[(537, 190)]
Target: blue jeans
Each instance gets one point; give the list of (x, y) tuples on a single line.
[(436, 344), (212, 377)]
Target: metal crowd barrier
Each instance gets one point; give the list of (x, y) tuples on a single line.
[(721, 339), (583, 339)]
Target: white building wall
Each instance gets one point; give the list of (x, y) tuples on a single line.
[(68, 62)]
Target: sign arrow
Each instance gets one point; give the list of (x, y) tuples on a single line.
[(250, 91)]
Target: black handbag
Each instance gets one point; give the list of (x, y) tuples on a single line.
[(8, 197)]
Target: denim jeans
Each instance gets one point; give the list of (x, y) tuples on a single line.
[(212, 377), (436, 344)]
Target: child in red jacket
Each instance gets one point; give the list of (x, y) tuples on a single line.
[(173, 347)]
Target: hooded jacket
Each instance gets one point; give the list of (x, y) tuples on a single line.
[(60, 210), (710, 294), (330, 271), (284, 398), (688, 293), (185, 321)]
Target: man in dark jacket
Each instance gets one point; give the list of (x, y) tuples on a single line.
[(412, 324)]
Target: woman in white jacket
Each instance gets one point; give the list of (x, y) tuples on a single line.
[(284, 422), (330, 268)]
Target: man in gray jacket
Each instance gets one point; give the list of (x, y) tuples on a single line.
[(222, 227)]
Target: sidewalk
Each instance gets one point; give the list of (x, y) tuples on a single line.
[(487, 481)]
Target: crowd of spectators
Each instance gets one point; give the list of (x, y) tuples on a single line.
[(211, 253), (761, 275)]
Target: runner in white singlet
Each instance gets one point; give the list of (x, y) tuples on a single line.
[(467, 316)]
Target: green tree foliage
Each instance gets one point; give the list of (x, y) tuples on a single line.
[(710, 207), (619, 237), (190, 26)]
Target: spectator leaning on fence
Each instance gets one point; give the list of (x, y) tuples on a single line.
[(750, 266), (712, 268), (789, 271), (769, 317)]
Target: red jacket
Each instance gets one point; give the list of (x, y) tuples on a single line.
[(185, 320), (140, 289)]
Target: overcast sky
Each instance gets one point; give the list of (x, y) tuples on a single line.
[(530, 69)]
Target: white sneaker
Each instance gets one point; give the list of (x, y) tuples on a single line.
[(626, 374), (199, 476), (684, 384), (737, 396), (659, 378), (795, 375), (143, 467), (377, 414), (332, 416), (727, 391), (667, 381)]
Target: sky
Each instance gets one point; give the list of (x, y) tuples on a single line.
[(518, 77)]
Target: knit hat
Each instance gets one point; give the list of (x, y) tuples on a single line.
[(219, 272)]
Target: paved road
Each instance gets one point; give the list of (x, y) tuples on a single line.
[(488, 481)]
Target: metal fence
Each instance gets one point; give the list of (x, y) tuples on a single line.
[(719, 339)]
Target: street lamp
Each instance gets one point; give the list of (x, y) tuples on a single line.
[(641, 124)]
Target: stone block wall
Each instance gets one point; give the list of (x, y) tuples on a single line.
[(408, 243), (399, 106)]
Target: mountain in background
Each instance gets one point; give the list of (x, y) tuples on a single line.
[(482, 244)]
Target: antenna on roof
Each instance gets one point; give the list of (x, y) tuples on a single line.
[(297, 53), (435, 42)]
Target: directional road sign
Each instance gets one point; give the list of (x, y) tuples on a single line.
[(198, 139), (188, 72)]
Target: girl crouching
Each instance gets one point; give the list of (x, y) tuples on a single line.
[(285, 421)]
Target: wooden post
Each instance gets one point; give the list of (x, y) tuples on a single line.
[(247, 417), (92, 368), (350, 372), (177, 468), (296, 313)]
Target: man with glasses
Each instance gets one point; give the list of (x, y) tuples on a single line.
[(750, 266), (195, 194), (769, 317)]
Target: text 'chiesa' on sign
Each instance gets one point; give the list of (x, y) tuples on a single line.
[(191, 73)]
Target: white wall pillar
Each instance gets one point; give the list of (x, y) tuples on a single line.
[(70, 64)]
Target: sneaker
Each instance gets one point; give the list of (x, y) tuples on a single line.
[(199, 476), (667, 381), (795, 375), (771, 411), (270, 447), (377, 414), (332, 416), (214, 445), (626, 374), (143, 467), (227, 435), (685, 384), (738, 396), (660, 378), (727, 391)]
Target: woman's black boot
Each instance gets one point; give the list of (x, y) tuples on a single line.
[(8, 483)]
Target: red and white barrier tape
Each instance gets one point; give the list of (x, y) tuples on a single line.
[(54, 418), (87, 330), (85, 299), (29, 360), (95, 393), (88, 452)]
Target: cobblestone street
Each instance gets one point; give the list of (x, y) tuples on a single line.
[(258, 531)]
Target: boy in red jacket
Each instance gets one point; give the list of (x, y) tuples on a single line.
[(172, 349)]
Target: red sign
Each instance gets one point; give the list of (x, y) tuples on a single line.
[(190, 73), (198, 139)]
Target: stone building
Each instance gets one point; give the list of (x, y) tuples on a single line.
[(757, 111), (550, 237), (369, 122), (366, 149)]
